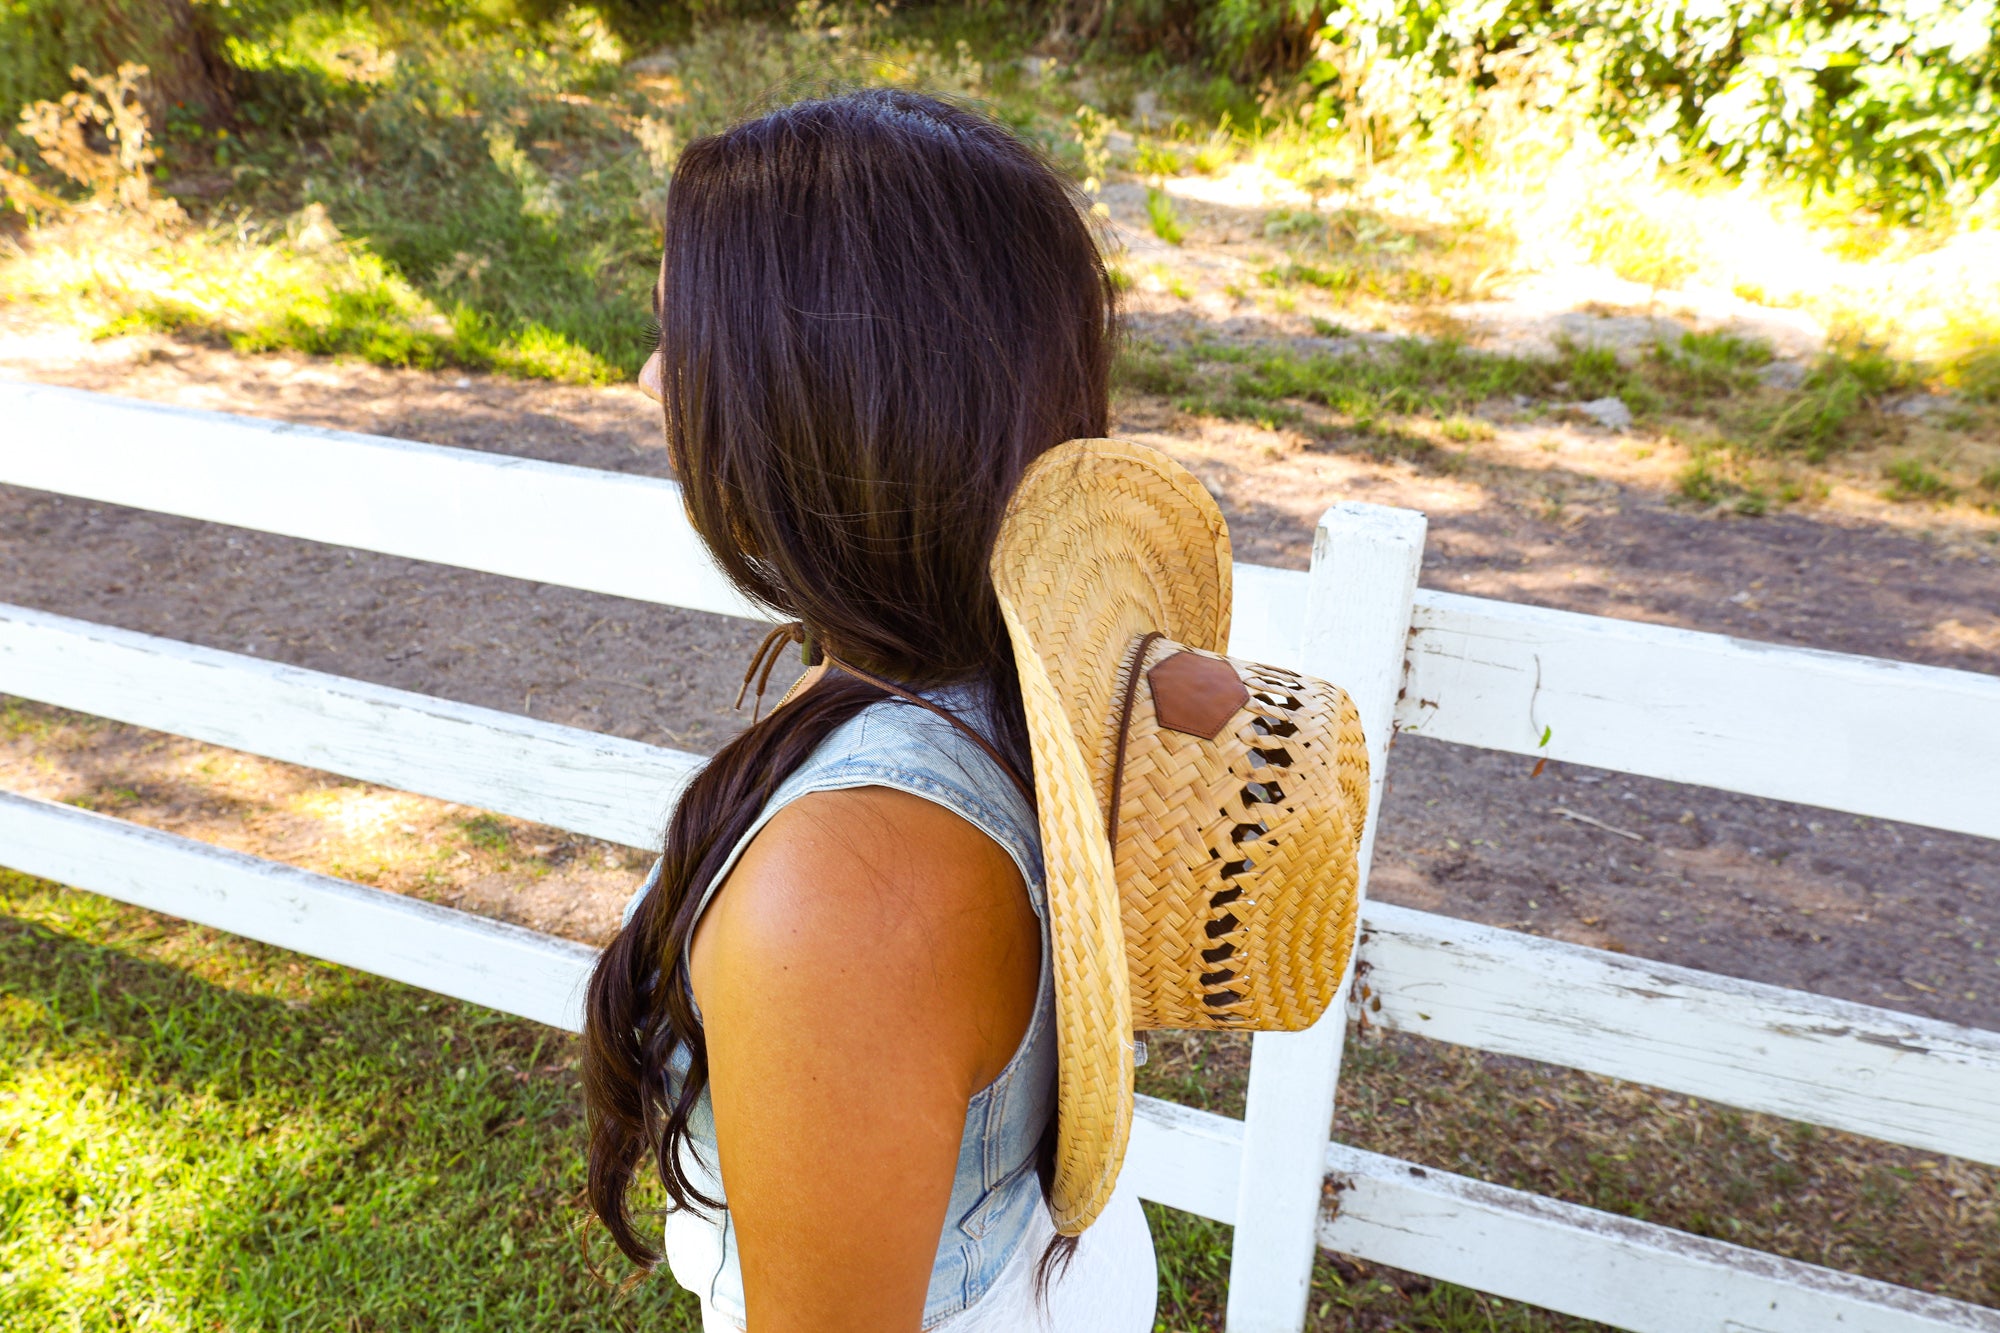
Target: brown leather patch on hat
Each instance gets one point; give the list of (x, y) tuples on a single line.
[(1196, 695)]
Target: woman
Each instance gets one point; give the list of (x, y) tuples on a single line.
[(826, 1023)]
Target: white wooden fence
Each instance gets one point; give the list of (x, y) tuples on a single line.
[(1885, 739)]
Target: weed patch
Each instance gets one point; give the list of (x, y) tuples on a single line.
[(1463, 429), (1164, 218), (1909, 480), (487, 833), (1713, 478), (1976, 375), (1401, 377), (1818, 421), (1708, 365)]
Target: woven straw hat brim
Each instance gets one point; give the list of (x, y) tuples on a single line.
[(1104, 541)]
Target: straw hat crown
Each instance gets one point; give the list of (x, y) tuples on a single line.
[(1199, 815)]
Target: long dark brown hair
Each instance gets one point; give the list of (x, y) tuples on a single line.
[(875, 310)]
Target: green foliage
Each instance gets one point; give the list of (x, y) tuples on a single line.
[(39, 44), (1146, 367), (1164, 218), (42, 40), (1407, 376), (1910, 480), (535, 245), (1706, 480), (1386, 280), (1977, 375), (1818, 421), (1460, 429), (1895, 103), (486, 833), (1152, 159), (1709, 365), (1400, 396), (1245, 40), (1813, 422)]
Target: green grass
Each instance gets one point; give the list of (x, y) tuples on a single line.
[(1714, 477), (1164, 218), (1976, 374), (1358, 255), (198, 1132), (1366, 391), (496, 175), (1910, 480), (486, 832), (1821, 418)]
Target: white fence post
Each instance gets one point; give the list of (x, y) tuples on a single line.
[(1357, 624)]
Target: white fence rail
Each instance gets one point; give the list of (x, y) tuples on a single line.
[(1888, 739), (1884, 739), (583, 781)]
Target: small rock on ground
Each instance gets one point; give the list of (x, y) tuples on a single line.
[(1610, 413), (1789, 376)]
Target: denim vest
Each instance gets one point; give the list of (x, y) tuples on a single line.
[(996, 1192)]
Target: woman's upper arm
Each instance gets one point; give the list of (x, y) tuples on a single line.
[(871, 965)]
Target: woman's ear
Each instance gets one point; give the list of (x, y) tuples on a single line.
[(649, 377)]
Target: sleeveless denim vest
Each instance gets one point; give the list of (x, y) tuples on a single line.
[(996, 1192)]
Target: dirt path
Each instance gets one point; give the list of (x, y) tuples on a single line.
[(1882, 913)]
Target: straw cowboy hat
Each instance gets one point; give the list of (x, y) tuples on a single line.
[(1199, 815)]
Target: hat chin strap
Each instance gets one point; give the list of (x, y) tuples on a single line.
[(766, 658), (1132, 660)]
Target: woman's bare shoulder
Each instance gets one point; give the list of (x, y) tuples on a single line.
[(871, 859), (881, 898)]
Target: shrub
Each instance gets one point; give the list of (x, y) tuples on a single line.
[(1895, 102), (1246, 39), (41, 41)]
